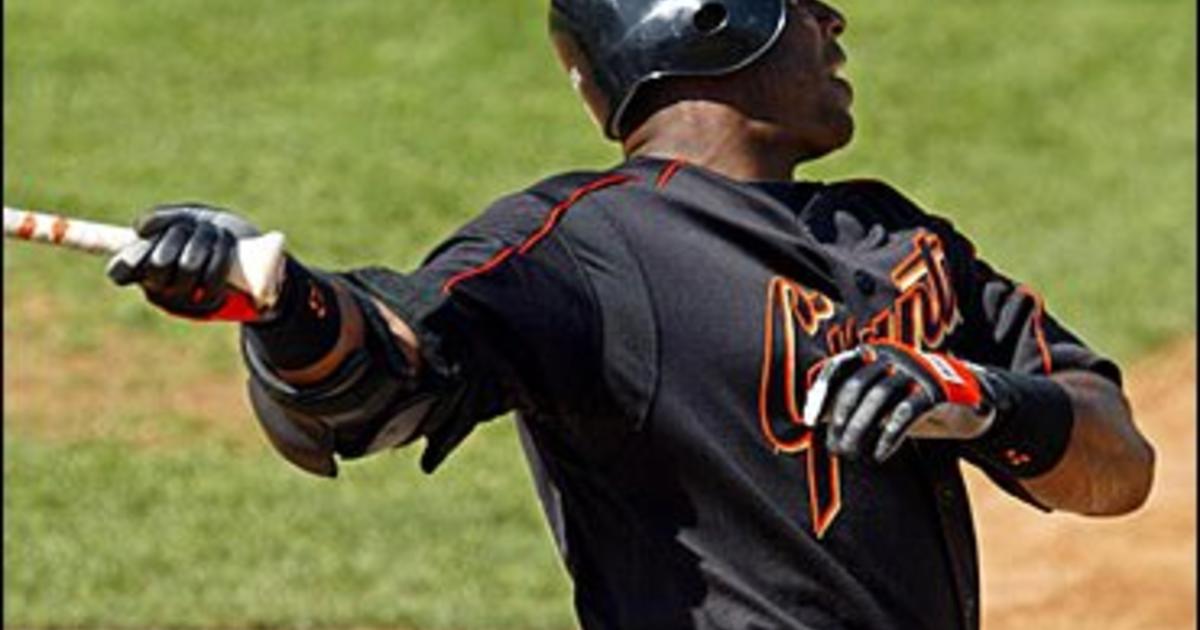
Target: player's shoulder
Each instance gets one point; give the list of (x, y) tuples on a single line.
[(555, 204), (548, 211), (560, 191), (580, 186)]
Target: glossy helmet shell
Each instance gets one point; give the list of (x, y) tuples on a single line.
[(611, 48)]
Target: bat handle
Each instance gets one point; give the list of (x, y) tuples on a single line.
[(258, 268)]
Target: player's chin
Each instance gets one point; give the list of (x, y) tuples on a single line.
[(841, 129), (836, 132)]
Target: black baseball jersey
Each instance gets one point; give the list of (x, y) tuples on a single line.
[(655, 326)]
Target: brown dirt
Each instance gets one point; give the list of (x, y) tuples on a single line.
[(1137, 571), (121, 386)]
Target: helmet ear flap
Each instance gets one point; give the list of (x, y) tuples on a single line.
[(613, 48)]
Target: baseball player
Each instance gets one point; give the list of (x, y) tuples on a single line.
[(744, 398)]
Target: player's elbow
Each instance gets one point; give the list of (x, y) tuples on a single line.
[(1112, 476), (1130, 484), (1145, 478), (1140, 481), (1115, 463)]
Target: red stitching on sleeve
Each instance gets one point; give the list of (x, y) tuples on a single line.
[(547, 226), (560, 209), (491, 264), (668, 172)]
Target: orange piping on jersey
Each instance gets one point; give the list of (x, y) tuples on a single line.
[(547, 226), (788, 297), (1038, 332), (768, 341), (840, 337), (926, 310), (784, 297), (928, 256), (818, 309), (491, 264), (881, 326), (823, 518), (777, 287), (909, 316), (668, 172), (561, 208), (797, 306)]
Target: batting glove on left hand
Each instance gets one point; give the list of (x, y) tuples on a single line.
[(183, 259), (886, 392)]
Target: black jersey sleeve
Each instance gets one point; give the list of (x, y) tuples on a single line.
[(504, 319), (1015, 331)]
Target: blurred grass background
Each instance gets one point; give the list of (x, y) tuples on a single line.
[(137, 490)]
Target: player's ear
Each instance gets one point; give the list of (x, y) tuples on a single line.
[(579, 73)]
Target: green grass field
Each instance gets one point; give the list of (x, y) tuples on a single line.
[(137, 489)]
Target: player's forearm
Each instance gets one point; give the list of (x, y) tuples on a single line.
[(1108, 467), (333, 372), (319, 327)]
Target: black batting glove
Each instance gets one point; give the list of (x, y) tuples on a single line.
[(880, 394), (183, 259)]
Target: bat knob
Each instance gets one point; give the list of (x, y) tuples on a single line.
[(258, 268)]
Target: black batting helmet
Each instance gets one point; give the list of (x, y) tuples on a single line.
[(613, 47)]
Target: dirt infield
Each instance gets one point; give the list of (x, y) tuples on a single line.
[(1139, 571)]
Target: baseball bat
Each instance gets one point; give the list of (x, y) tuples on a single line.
[(257, 264)]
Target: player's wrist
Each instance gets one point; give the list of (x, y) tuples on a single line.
[(1031, 424), (304, 325)]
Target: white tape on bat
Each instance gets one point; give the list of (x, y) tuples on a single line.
[(257, 265)]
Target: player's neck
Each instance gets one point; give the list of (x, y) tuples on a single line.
[(715, 137)]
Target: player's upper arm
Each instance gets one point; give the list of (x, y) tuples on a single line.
[(503, 317)]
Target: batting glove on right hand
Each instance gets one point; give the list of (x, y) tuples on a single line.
[(882, 393), (183, 259)]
